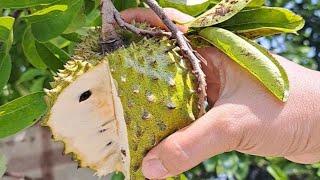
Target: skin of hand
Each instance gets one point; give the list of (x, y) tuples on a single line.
[(245, 117)]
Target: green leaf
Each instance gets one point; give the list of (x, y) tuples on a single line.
[(30, 50), (222, 11), (6, 39), (191, 7), (256, 3), (37, 84), (78, 21), (125, 4), (6, 33), (53, 62), (21, 113), (24, 3), (264, 21), (59, 53), (31, 74), (5, 71), (277, 172), (3, 163), (253, 58), (117, 176), (50, 22)]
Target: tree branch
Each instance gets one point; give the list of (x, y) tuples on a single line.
[(110, 39), (136, 30), (187, 51)]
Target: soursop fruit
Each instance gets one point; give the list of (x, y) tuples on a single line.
[(109, 111)]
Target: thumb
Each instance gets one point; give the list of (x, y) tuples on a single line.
[(212, 134)]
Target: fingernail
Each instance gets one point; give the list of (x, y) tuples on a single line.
[(153, 168)]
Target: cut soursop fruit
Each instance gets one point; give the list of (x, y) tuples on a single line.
[(110, 111)]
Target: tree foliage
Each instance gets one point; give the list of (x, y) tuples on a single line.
[(38, 36)]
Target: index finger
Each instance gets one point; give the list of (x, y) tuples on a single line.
[(147, 15)]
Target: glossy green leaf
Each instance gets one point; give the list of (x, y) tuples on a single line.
[(30, 50), (191, 7), (90, 5), (59, 53), (2, 165), (5, 71), (52, 61), (78, 21), (276, 172), (256, 3), (251, 57), (125, 4), (264, 21), (21, 113), (54, 20), (24, 3), (221, 12), (6, 39), (47, 13), (37, 84), (117, 176), (31, 74)]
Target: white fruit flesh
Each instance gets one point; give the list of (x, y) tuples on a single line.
[(94, 130)]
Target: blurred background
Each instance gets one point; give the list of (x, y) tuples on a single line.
[(32, 153)]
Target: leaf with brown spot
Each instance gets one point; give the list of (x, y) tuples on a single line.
[(221, 12)]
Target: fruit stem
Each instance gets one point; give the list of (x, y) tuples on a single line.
[(187, 51), (138, 31), (110, 38)]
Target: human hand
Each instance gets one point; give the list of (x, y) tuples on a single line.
[(245, 116)]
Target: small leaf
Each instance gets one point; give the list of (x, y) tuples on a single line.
[(21, 113), (222, 11), (191, 7), (6, 39), (30, 74), (117, 176), (24, 3), (50, 22), (53, 62), (256, 3), (37, 84), (251, 57), (3, 163), (5, 71), (264, 21), (59, 53), (30, 50), (276, 172)]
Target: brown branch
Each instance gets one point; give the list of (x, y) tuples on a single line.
[(136, 30), (187, 51), (18, 176), (110, 39)]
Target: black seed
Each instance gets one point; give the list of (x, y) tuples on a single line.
[(84, 96), (109, 143), (102, 130), (123, 152)]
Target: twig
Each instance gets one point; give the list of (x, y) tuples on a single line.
[(17, 176), (187, 51), (136, 30), (110, 39)]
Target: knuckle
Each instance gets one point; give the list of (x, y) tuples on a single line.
[(173, 156)]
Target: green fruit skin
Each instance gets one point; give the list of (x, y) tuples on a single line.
[(157, 91)]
